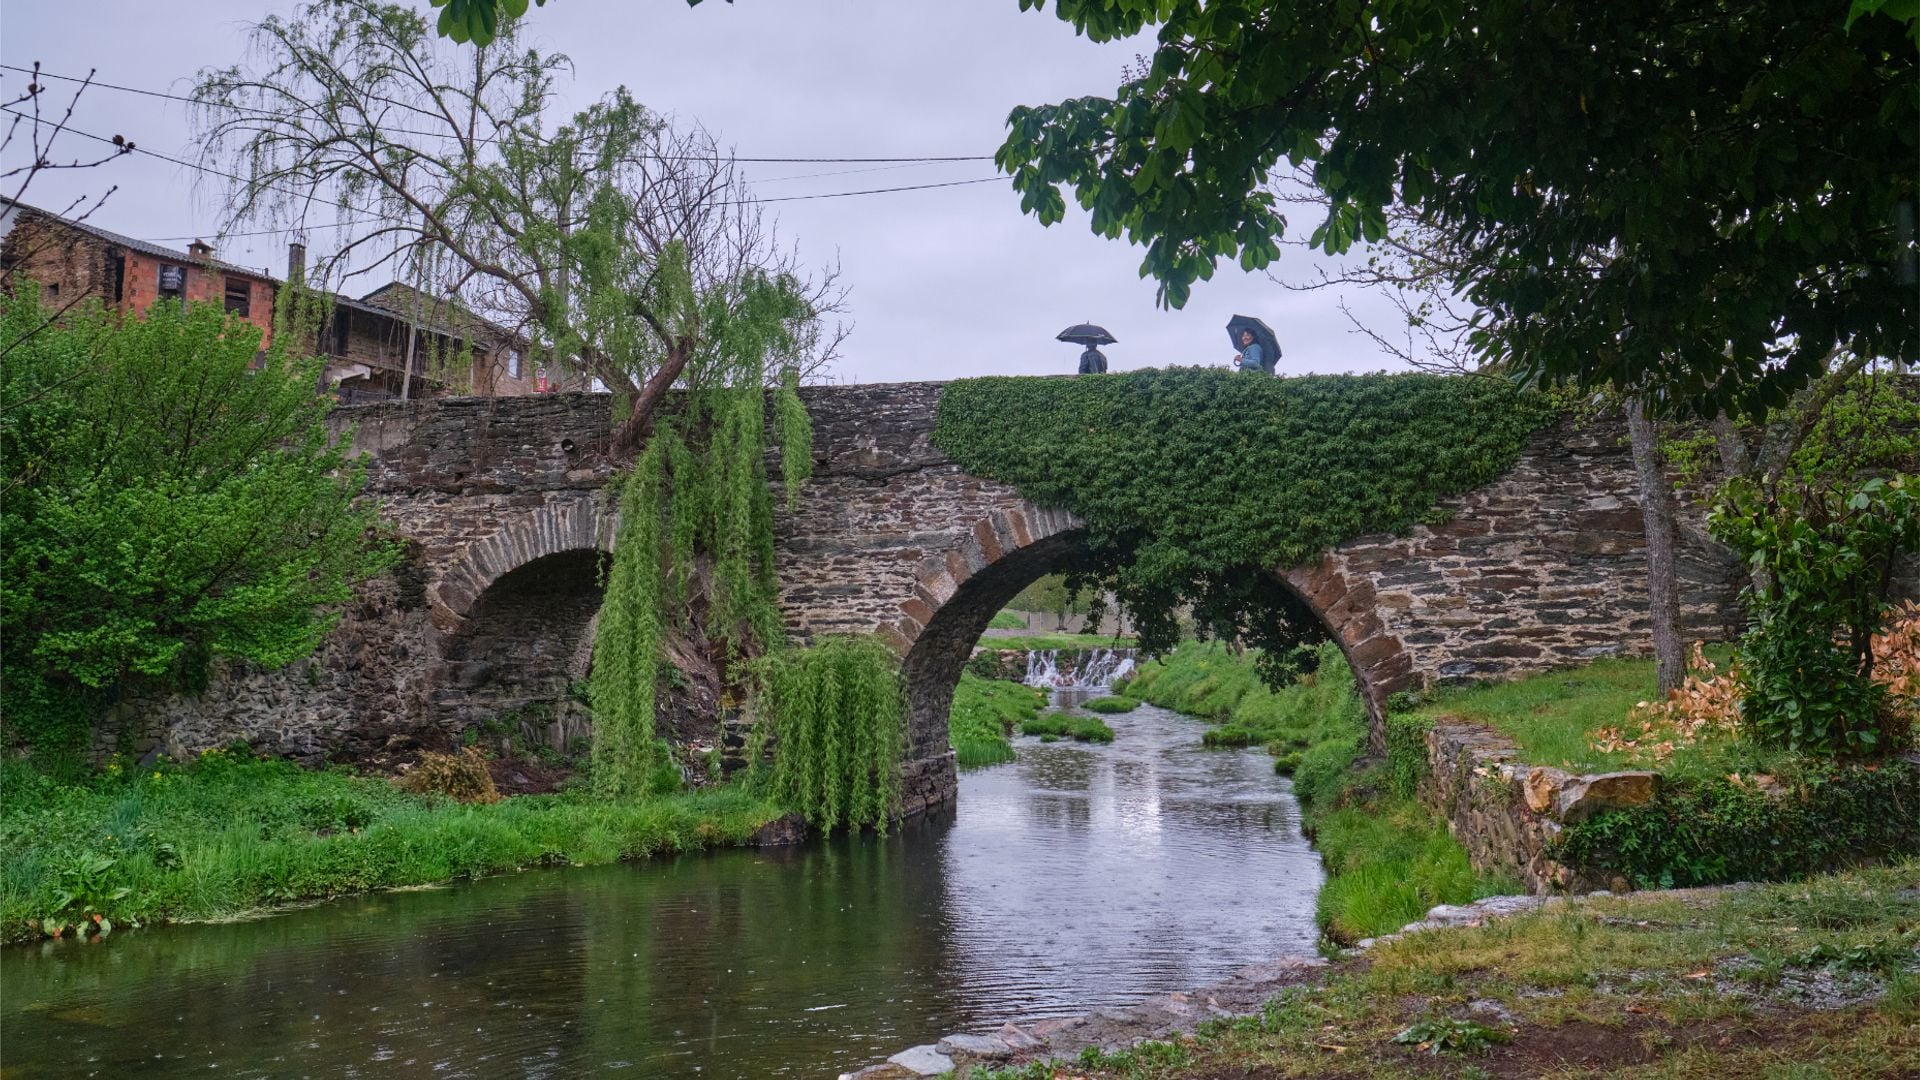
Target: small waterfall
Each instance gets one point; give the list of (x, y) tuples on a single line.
[(1096, 669)]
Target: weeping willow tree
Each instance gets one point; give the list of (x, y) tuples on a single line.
[(835, 712), (694, 553)]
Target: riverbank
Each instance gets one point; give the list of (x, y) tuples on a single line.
[(1388, 858), (1815, 978), (228, 835)]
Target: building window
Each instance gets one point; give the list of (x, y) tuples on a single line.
[(342, 328), (172, 282), (513, 363), (239, 296)]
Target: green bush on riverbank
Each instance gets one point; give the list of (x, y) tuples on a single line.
[(228, 834), (1388, 858)]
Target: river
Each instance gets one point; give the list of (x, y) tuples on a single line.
[(1075, 877)]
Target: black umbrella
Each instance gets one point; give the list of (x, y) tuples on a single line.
[(1262, 333), (1087, 334)]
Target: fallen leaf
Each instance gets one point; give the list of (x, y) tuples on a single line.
[(1698, 974)]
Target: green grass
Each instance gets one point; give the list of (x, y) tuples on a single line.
[(1066, 725), (227, 835), (1007, 620), (1388, 857), (984, 713), (1552, 717), (1056, 641), (1708, 987), (1111, 705)]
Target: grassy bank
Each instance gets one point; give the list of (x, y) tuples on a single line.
[(1553, 717), (227, 835), (1816, 979), (984, 713), (1388, 858), (1724, 810)]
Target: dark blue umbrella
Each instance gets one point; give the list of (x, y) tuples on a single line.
[(1086, 334), (1262, 333)]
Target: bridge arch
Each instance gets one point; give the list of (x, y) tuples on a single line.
[(516, 613), (958, 591), (552, 528)]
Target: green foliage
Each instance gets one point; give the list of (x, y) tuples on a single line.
[(1050, 593), (1006, 620), (1196, 484), (1825, 555), (227, 834), (1450, 1035), (1054, 640), (836, 711), (1066, 725), (1702, 831), (1110, 705), (1206, 679), (984, 712), (167, 503), (1768, 237), (1407, 763)]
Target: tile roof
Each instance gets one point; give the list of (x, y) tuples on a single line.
[(143, 246)]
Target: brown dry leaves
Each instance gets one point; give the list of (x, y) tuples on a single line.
[(1707, 704)]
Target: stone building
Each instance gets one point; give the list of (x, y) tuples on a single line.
[(455, 351)]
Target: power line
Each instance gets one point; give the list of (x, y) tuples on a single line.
[(923, 159), (383, 218)]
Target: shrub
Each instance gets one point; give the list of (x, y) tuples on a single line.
[(168, 503), (1824, 555), (462, 777), (1709, 830), (1111, 705)]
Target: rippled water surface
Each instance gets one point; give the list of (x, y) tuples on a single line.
[(1074, 877)]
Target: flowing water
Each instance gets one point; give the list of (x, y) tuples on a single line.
[(1072, 878), (1086, 669)]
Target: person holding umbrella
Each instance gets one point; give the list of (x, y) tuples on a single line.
[(1259, 349), (1092, 361)]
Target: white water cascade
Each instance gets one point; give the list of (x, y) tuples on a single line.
[(1097, 670)]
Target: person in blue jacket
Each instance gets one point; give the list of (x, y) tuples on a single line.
[(1251, 356)]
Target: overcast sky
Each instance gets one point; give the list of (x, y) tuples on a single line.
[(945, 282)]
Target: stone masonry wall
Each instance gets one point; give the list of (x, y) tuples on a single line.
[(1507, 814), (1543, 568)]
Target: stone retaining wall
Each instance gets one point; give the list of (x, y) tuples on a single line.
[(1506, 813)]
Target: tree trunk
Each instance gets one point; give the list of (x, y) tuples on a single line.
[(639, 423), (1663, 536)]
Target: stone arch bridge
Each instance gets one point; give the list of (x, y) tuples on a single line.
[(499, 500)]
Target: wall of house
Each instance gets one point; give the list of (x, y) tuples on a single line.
[(73, 263)]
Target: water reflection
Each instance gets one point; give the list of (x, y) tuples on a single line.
[(1074, 877)]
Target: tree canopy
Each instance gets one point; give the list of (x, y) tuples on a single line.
[(1705, 200)]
